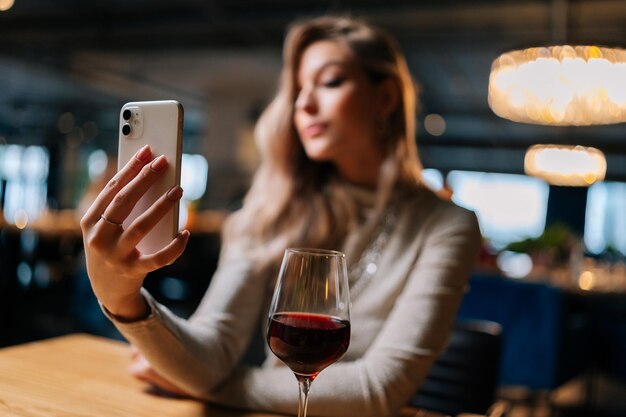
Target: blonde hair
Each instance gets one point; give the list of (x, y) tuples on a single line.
[(294, 201)]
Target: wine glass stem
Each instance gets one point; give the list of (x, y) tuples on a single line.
[(304, 384)]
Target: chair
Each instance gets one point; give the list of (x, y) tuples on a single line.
[(464, 377)]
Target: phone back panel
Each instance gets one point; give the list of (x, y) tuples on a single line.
[(158, 124)]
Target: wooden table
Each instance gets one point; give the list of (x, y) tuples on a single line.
[(85, 376)]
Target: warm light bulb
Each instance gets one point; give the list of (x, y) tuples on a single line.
[(435, 124), (21, 219), (587, 280), (6, 5)]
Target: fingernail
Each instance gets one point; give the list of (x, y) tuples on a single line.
[(175, 193), (184, 234), (144, 153), (159, 163)]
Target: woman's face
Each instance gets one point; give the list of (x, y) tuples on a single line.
[(336, 107)]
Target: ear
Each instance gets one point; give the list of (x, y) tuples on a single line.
[(388, 97)]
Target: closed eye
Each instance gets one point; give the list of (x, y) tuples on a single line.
[(335, 82)]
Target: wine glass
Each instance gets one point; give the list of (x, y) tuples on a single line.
[(309, 319)]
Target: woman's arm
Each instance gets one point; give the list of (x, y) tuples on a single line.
[(198, 354), (416, 330)]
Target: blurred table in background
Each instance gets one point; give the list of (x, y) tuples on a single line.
[(66, 222)]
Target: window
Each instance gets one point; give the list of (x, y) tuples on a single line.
[(433, 178), (605, 219), (509, 207), (25, 170)]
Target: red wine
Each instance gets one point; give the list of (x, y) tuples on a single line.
[(308, 343)]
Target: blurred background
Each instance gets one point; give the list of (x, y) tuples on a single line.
[(552, 270)]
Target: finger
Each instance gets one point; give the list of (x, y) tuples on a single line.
[(142, 370), (163, 386), (124, 201), (165, 256), (115, 184), (140, 227)]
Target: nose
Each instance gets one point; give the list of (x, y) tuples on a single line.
[(306, 100)]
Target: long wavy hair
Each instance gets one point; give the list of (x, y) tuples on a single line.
[(294, 201)]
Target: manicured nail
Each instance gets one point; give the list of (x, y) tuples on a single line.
[(175, 193), (144, 153), (159, 163)]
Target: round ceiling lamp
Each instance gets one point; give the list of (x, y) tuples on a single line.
[(565, 165), (560, 85), (6, 5)]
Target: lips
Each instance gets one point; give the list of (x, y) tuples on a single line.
[(315, 129)]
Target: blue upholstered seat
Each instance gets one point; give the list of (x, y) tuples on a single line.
[(544, 329)]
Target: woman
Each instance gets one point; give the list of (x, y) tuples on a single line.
[(340, 170)]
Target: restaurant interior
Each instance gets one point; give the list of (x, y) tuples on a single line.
[(548, 185)]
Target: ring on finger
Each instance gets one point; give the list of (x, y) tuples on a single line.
[(111, 222)]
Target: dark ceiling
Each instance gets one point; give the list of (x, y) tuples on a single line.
[(57, 56)]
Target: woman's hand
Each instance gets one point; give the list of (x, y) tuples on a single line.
[(142, 370), (115, 266)]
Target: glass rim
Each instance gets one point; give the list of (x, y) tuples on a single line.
[(316, 252)]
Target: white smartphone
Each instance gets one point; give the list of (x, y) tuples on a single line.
[(160, 125)]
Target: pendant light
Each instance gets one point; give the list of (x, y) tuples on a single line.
[(563, 85)]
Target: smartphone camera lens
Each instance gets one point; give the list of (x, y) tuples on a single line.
[(126, 128), (126, 114)]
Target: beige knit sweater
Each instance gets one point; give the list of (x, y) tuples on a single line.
[(400, 321)]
